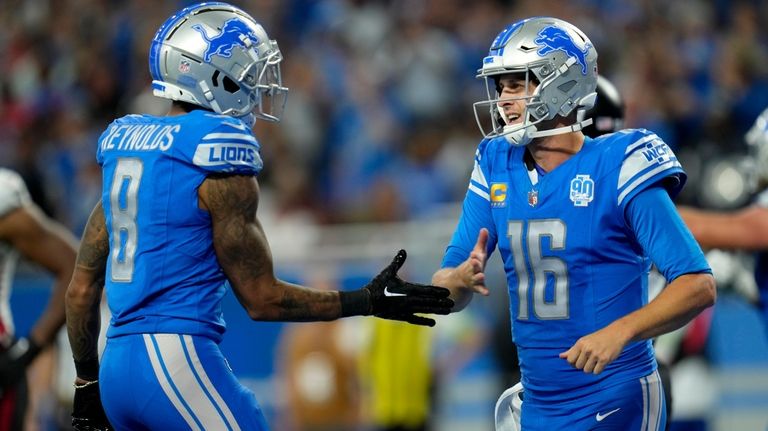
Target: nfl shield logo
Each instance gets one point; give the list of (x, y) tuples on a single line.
[(533, 198), (184, 66)]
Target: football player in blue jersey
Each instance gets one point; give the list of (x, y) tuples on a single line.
[(176, 222), (577, 222), (607, 116), (747, 228)]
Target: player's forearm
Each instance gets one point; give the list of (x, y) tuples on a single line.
[(62, 247), (83, 322), (451, 279), (746, 229), (711, 229), (83, 330), (53, 318), (247, 261), (683, 299), (83, 295), (282, 301), (51, 246)]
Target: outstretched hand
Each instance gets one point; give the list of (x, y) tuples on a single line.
[(472, 270), (467, 278), (396, 299)]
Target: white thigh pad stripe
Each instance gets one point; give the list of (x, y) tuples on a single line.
[(229, 417), (644, 390), (165, 384), (652, 402), (659, 399), (172, 354)]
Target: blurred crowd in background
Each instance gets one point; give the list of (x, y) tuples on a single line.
[(379, 123)]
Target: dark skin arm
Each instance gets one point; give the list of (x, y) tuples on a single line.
[(48, 244), (244, 254), (84, 291)]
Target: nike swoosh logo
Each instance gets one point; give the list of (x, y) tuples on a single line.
[(600, 417), (387, 292)]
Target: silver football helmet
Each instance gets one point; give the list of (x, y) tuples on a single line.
[(555, 55), (216, 56), (757, 140)]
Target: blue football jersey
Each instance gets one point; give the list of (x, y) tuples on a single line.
[(572, 261), (162, 275)]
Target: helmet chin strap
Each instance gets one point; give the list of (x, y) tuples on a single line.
[(519, 137), (575, 127), (524, 135)]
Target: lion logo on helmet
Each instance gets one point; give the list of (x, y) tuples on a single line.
[(229, 38), (554, 38)]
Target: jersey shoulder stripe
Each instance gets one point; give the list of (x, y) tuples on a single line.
[(228, 147), (230, 137), (647, 159), (478, 182)]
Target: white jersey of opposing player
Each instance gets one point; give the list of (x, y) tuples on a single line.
[(13, 195), (508, 409)]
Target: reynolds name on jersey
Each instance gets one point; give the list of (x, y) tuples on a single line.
[(140, 137)]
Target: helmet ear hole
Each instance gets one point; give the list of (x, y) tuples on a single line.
[(566, 86), (229, 85)]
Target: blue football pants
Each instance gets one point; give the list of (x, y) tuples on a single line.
[(173, 382), (635, 405)]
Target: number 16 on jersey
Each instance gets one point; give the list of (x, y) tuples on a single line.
[(527, 251)]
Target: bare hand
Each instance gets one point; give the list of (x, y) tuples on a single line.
[(472, 270), (593, 352)]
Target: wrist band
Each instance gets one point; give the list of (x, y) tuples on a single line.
[(87, 369), (355, 303), (85, 385)]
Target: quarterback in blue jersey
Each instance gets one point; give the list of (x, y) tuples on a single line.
[(578, 222), (177, 222), (745, 229)]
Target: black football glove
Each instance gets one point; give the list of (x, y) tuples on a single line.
[(389, 297), (87, 411), (15, 359)]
